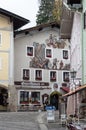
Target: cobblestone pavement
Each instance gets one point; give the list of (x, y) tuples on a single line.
[(19, 121), (54, 125), (28, 121)]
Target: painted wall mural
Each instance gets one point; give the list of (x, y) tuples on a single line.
[(55, 43), (42, 60), (39, 61)]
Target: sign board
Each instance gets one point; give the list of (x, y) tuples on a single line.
[(50, 108), (50, 113)]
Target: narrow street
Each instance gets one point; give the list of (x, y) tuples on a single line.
[(27, 121)]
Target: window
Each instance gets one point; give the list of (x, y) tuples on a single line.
[(85, 20), (52, 76), (66, 76), (24, 97), (65, 54), (48, 53), (38, 75), (25, 74), (29, 51), (35, 97)]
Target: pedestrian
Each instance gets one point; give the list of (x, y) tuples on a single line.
[(45, 103)]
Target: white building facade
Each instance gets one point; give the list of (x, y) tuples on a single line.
[(41, 65)]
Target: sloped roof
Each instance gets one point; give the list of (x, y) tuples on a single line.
[(18, 21), (66, 23), (39, 27)]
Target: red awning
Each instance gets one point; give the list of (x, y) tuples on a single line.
[(66, 89)]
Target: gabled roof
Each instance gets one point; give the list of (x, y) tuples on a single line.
[(38, 27), (18, 21)]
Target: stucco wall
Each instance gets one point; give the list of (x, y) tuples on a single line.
[(5, 32), (76, 56), (22, 61)]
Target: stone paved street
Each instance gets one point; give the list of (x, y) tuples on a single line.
[(54, 125), (28, 121), (19, 121)]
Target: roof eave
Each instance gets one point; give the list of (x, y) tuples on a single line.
[(17, 20), (39, 27)]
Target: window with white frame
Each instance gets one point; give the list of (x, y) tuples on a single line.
[(52, 76), (24, 97), (35, 97), (38, 74), (48, 53), (26, 74), (65, 54), (29, 51), (66, 76)]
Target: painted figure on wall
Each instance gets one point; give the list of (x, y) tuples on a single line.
[(39, 61), (54, 42)]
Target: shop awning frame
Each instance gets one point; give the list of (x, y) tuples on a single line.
[(78, 89)]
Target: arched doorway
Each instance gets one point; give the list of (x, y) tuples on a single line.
[(3, 98), (54, 99)]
